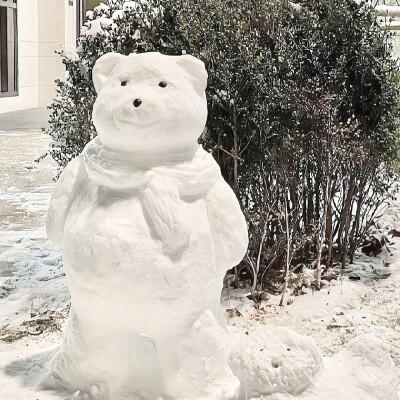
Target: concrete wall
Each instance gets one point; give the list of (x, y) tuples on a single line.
[(44, 26)]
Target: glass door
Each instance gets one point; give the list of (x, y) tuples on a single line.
[(8, 48), (81, 8)]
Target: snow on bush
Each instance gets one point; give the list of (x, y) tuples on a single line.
[(96, 27)]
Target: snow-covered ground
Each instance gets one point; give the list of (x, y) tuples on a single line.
[(34, 301), (343, 312), (33, 293)]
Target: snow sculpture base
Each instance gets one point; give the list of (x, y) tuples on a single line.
[(148, 229)]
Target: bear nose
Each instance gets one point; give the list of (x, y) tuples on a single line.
[(137, 102)]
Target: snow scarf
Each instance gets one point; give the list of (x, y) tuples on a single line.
[(193, 172), (161, 183)]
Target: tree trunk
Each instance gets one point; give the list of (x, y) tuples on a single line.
[(345, 221), (322, 234), (288, 246)]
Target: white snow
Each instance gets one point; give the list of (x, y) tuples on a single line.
[(101, 8), (118, 14), (148, 229), (96, 27), (33, 293), (138, 6), (89, 14), (71, 55), (356, 324), (275, 360), (132, 5)]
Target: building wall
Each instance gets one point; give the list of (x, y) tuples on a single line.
[(44, 26), (51, 38)]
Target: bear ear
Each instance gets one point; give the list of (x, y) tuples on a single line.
[(103, 68), (196, 70)]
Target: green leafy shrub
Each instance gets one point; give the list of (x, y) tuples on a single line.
[(303, 115)]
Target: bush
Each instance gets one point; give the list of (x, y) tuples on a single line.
[(303, 114)]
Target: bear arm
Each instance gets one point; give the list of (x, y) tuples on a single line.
[(164, 209), (228, 225), (64, 192)]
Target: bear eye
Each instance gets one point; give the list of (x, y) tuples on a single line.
[(123, 83), (162, 84)]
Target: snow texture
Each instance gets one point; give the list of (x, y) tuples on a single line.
[(95, 27), (133, 5), (148, 228), (277, 360), (279, 364), (144, 7), (101, 8), (119, 14)]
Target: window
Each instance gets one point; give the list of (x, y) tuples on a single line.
[(8, 48), (81, 8)]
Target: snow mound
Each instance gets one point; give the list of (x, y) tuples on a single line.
[(362, 371), (374, 353), (367, 370), (279, 364), (275, 360)]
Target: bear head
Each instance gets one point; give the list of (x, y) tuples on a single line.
[(149, 102)]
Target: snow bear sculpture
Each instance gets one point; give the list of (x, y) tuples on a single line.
[(148, 229)]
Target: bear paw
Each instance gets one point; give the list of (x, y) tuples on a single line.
[(175, 245)]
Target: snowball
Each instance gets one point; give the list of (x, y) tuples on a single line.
[(275, 360)]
